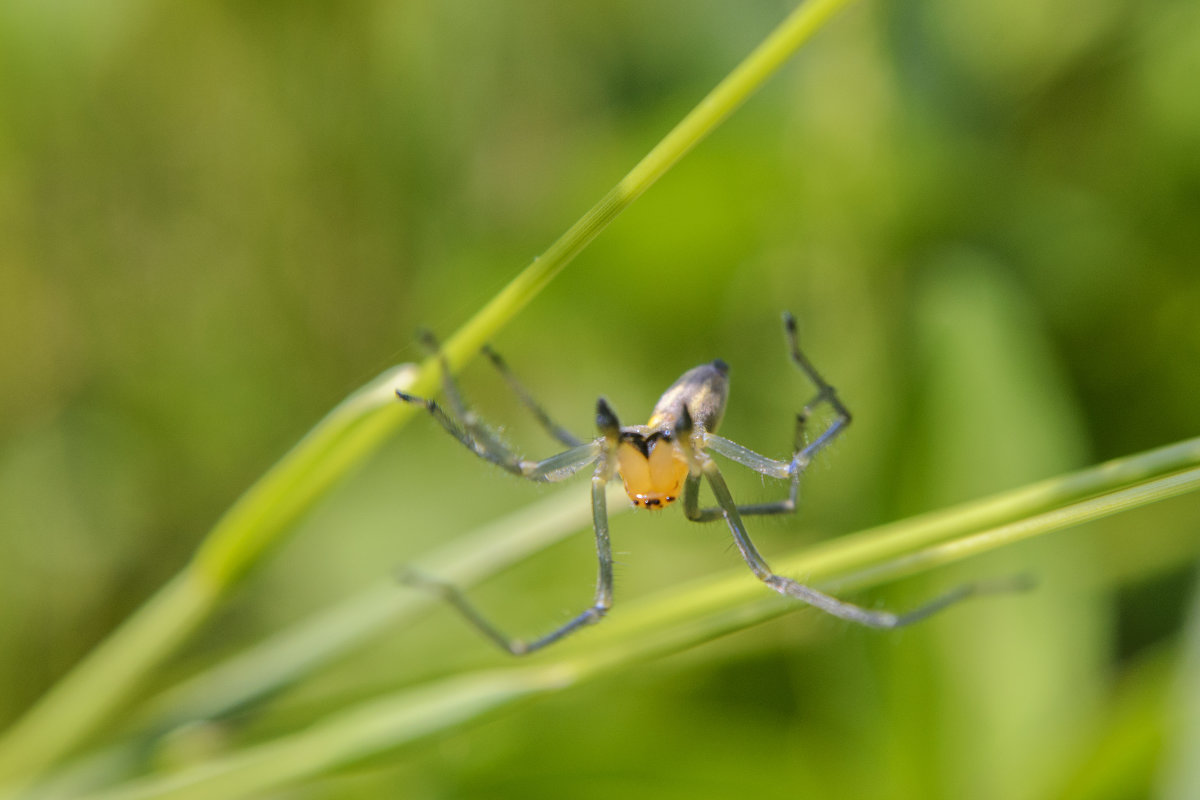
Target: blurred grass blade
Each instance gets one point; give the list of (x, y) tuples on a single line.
[(1180, 773), (293, 653), (718, 604), (350, 735), (305, 647), (667, 622), (103, 681), (1090, 510), (1005, 507), (110, 672)]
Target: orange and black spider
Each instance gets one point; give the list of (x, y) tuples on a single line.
[(658, 462)]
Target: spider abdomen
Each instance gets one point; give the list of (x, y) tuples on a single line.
[(703, 389)]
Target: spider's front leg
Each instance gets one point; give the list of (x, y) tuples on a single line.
[(605, 446), (468, 428), (549, 425), (492, 449)]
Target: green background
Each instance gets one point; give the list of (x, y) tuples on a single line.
[(217, 219)]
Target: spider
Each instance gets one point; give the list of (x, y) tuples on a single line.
[(658, 463)]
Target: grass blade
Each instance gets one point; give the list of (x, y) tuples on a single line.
[(670, 621), (297, 651)]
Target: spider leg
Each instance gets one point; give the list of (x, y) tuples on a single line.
[(549, 425), (826, 395), (555, 468), (827, 603), (692, 510), (759, 463), (592, 614), (802, 454), (470, 422), (466, 426)]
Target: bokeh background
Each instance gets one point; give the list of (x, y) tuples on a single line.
[(217, 219)]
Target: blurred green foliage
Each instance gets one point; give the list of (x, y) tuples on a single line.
[(218, 219)]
